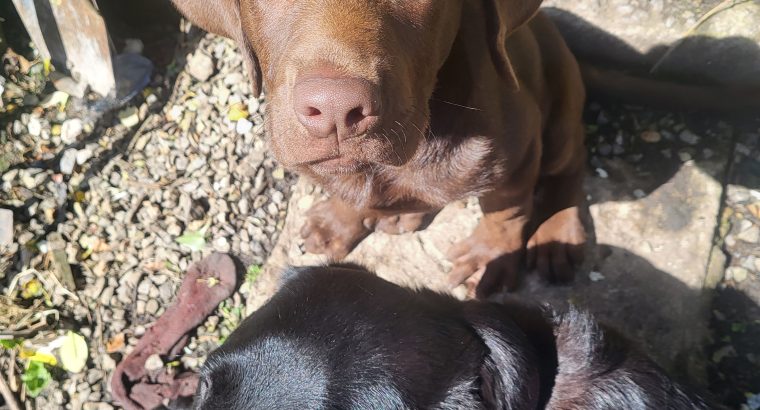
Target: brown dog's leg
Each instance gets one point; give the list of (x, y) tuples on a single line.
[(334, 228), (556, 247), (403, 223), (489, 259)]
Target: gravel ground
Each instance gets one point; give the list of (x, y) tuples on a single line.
[(107, 214), (126, 208)]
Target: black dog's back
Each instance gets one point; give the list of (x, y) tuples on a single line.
[(338, 337)]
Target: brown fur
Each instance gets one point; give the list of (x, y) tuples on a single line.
[(480, 98)]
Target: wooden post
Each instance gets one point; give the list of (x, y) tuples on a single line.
[(73, 36)]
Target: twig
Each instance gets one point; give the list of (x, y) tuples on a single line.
[(8, 396), (722, 6)]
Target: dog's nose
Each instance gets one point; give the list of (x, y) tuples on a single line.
[(347, 107)]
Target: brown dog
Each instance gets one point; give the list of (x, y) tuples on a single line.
[(400, 107)]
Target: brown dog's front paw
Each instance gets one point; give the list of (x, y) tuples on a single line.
[(403, 223), (486, 262), (556, 249), (333, 229)]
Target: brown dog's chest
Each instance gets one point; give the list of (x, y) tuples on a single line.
[(442, 172)]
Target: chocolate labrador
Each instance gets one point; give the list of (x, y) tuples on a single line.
[(339, 337), (398, 108)]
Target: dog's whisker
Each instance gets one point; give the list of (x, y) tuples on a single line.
[(455, 104)]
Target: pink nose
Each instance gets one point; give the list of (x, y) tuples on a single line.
[(346, 107)]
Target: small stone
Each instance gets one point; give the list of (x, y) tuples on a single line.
[(730, 241), (153, 363), (144, 287), (639, 193), (221, 244), (305, 202), (151, 307), (737, 273), (243, 126), (754, 209), (684, 156), (757, 265), (140, 307), (595, 276), (6, 228), (278, 173), (200, 66), (70, 130), (97, 406), (34, 128), (689, 137), (83, 155), (68, 161), (749, 235), (166, 292), (129, 117), (651, 136), (602, 173)]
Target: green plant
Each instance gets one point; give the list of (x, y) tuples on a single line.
[(36, 377)]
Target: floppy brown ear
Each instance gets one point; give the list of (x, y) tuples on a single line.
[(222, 17), (508, 375), (503, 17)]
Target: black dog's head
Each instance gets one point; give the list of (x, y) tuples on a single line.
[(339, 337)]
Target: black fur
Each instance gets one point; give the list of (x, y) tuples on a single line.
[(338, 337)]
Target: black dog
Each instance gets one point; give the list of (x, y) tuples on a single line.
[(338, 337)]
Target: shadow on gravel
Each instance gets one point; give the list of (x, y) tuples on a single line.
[(638, 150)]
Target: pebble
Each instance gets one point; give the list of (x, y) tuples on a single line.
[(689, 137), (737, 273), (153, 363), (749, 235), (595, 276), (601, 173), (651, 136), (96, 406), (278, 173), (34, 127), (200, 66), (71, 129), (68, 161), (6, 228), (129, 117), (83, 155), (243, 126), (166, 291), (151, 307)]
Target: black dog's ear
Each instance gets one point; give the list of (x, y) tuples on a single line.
[(509, 377), (222, 17)]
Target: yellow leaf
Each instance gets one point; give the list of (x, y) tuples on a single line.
[(237, 112), (34, 355), (73, 352), (31, 289)]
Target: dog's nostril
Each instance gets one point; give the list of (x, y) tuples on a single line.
[(312, 112), (355, 116)]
